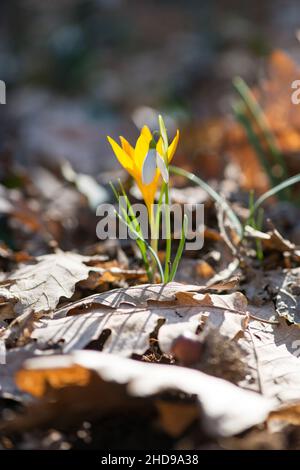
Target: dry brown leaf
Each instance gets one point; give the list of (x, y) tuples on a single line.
[(272, 240), (279, 286), (136, 296), (14, 359), (38, 285), (287, 299), (223, 408), (132, 315), (273, 357), (287, 414), (176, 417), (114, 275), (122, 322)]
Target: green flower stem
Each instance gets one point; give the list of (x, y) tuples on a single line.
[(161, 272), (251, 218), (165, 146), (133, 224), (259, 223), (256, 225), (155, 222), (154, 239), (168, 234), (136, 226), (180, 248)]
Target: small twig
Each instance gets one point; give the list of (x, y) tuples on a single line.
[(220, 218), (257, 362), (271, 322)]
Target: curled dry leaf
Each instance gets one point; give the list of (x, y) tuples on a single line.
[(141, 295), (123, 320), (137, 296), (273, 241), (38, 286), (14, 359), (223, 408), (273, 359), (280, 287), (130, 316), (287, 414), (287, 299)]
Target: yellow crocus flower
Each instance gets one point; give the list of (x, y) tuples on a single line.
[(132, 159)]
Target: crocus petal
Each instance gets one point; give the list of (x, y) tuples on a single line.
[(162, 167), (127, 147), (142, 147), (159, 146), (149, 167), (173, 146), (145, 131), (122, 156)]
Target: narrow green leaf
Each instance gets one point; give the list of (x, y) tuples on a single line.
[(146, 244), (255, 142), (140, 242), (168, 234), (285, 184), (163, 133), (262, 123), (213, 194), (261, 120), (180, 248)]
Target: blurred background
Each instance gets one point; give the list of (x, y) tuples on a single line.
[(77, 70)]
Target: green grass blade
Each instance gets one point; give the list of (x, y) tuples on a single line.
[(136, 226), (261, 120), (213, 194), (255, 143), (163, 133), (168, 234), (117, 196), (161, 272), (180, 248), (139, 241), (273, 191)]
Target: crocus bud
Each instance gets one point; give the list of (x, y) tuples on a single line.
[(149, 167), (162, 167)]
